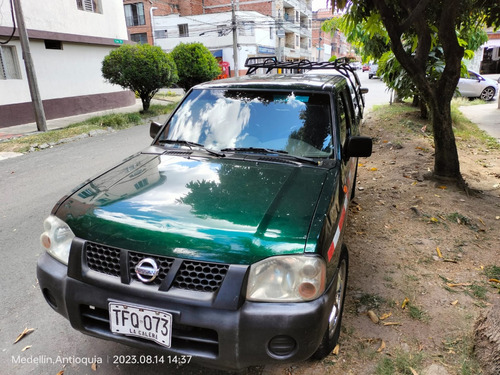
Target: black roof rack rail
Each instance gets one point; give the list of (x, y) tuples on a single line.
[(341, 65), (271, 62)]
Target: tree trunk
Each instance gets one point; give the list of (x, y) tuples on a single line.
[(146, 101), (487, 340), (446, 163)]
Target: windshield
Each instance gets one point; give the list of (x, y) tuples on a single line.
[(296, 123)]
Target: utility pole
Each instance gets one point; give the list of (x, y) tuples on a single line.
[(41, 123), (235, 39)]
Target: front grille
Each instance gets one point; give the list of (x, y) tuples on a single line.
[(103, 259), (200, 276), (191, 275)]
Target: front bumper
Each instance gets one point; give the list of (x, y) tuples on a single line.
[(220, 329)]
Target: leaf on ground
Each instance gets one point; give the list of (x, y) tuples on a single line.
[(442, 187), (392, 324), (454, 302), (405, 302), (438, 251), (433, 220), (458, 284), (413, 371), (381, 347), (385, 316), (336, 350), (26, 348), (373, 169), (60, 372), (494, 281), (24, 333), (93, 366)]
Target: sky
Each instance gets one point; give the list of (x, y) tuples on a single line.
[(319, 4)]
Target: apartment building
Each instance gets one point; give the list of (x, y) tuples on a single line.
[(326, 44), (68, 41), (289, 21)]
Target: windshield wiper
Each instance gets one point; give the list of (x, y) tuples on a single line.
[(268, 151), (257, 150), (191, 145)]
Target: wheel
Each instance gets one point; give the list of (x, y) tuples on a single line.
[(370, 76), (488, 93), (332, 333)]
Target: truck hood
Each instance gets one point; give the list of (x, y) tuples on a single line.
[(211, 209)]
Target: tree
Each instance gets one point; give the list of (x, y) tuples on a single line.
[(195, 64), (429, 24), (141, 68)]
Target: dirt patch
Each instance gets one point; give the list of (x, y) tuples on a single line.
[(423, 245)]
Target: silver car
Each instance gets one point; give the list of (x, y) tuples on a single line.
[(477, 86)]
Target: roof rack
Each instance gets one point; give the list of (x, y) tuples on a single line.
[(271, 62), (341, 65)]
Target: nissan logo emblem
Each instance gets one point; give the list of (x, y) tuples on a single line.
[(147, 270)]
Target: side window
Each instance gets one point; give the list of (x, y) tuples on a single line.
[(9, 67), (345, 114)]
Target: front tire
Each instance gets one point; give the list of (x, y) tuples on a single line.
[(332, 333), (488, 93)]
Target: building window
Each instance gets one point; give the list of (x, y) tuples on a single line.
[(9, 68), (183, 30), (161, 34), (89, 5), (297, 40), (52, 44), (134, 14), (141, 38)]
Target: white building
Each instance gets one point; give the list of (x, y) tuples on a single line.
[(256, 34), (68, 41)]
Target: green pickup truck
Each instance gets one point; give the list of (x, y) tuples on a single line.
[(222, 242)]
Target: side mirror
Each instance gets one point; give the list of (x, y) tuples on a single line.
[(358, 146), (154, 129), (363, 90)]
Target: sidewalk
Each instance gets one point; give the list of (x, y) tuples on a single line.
[(18, 130), (486, 116), (31, 128)]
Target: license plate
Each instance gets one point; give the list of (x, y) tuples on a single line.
[(143, 322)]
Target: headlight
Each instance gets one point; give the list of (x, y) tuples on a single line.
[(291, 278), (57, 238)]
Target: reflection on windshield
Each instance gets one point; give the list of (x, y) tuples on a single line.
[(298, 123)]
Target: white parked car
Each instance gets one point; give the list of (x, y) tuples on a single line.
[(477, 86)]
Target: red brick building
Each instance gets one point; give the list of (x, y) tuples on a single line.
[(138, 16), (325, 45)]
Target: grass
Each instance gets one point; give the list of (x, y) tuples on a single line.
[(400, 116), (400, 363), (115, 121), (371, 301), (460, 351)]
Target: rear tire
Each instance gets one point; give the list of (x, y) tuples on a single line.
[(332, 333)]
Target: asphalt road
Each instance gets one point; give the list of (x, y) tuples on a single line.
[(29, 187)]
